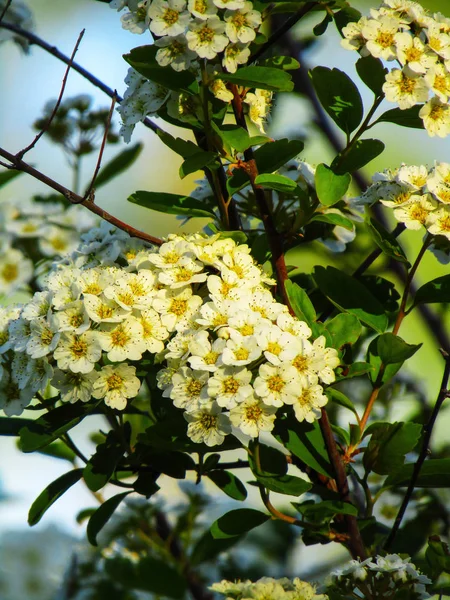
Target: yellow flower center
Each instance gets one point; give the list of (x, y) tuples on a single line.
[(78, 347), (241, 354), (437, 113), (114, 382), (418, 213), (225, 289), (29, 228), (171, 258), (93, 288), (126, 298), (104, 311), (208, 421), (246, 329), (402, 197), (210, 358), (407, 85), (230, 385), (444, 223), (300, 362), (413, 54), (130, 254), (239, 271), (46, 337), (385, 39), (147, 327), (275, 383), (305, 398), (119, 337), (440, 84), (239, 20), (178, 307), (206, 34), (58, 244), (274, 348), (435, 43), (136, 288), (261, 310), (419, 180), (76, 320), (171, 16), (253, 413), (193, 388), (444, 195), (219, 320), (184, 274), (200, 6), (10, 272), (4, 337)]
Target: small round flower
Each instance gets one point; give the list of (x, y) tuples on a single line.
[(154, 333), (413, 53), (253, 416), (116, 384), (229, 4), (58, 241), (235, 55), (12, 399), (259, 106), (437, 79), (74, 318), (278, 346), (439, 222), (219, 89), (122, 341), (380, 36), (404, 89), (133, 290), (240, 350), (179, 277), (15, 270), (208, 425), (177, 308), (230, 385), (44, 337), (189, 389), (38, 306), (277, 385), (307, 405), (412, 176), (436, 117), (204, 355), (415, 213), (102, 310), (78, 352), (74, 386), (202, 9), (207, 38), (241, 24), (175, 253), (168, 17), (174, 51), (137, 20)]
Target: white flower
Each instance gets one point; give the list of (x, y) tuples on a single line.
[(415, 177), (174, 51), (235, 55), (26, 228), (202, 9), (229, 4), (242, 321), (123, 340), (95, 281), (219, 89), (179, 277), (15, 270), (44, 337), (168, 17), (292, 325), (415, 213), (116, 383), (175, 253), (74, 386), (74, 318), (178, 347), (154, 333), (136, 21), (204, 355), (259, 106), (177, 308), (133, 290), (213, 314), (308, 403), (207, 38), (189, 390), (78, 352), (439, 222), (208, 425), (12, 399), (277, 346), (439, 42), (39, 373), (353, 37), (380, 36), (38, 306), (230, 385), (437, 79), (393, 194), (263, 302), (413, 53), (253, 416), (405, 90), (277, 385), (19, 372), (240, 350), (58, 241), (102, 310), (19, 333), (436, 117), (241, 24)]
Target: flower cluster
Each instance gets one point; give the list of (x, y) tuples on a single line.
[(34, 231), (231, 355), (381, 577), (419, 196), (267, 587), (403, 31), (144, 98)]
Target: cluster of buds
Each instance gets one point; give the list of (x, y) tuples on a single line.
[(267, 587), (403, 31)]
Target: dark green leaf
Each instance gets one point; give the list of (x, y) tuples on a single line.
[(184, 148), (437, 556), (237, 522), (351, 296), (197, 161), (148, 574), (305, 441), (372, 73), (333, 219), (102, 515), (300, 302), (339, 96), (58, 450), (330, 187), (171, 204), (434, 291), (273, 181), (7, 176), (84, 514), (405, 118), (143, 60), (343, 329), (321, 27), (208, 547), (285, 484), (229, 484), (435, 473), (101, 466), (319, 511), (383, 290), (355, 370), (392, 349), (386, 241), (340, 398), (118, 164), (270, 462), (239, 139), (51, 494), (389, 444), (287, 63), (374, 359), (361, 153), (264, 78), (12, 426)]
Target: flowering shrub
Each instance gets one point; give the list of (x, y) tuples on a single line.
[(225, 340)]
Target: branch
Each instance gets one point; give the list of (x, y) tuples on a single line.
[(20, 165), (428, 430), (22, 153), (5, 9)]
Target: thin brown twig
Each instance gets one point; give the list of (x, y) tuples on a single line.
[(5, 9), (22, 153), (73, 198), (89, 194), (428, 430)]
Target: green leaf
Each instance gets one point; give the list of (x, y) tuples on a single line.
[(197, 161), (372, 73), (300, 302), (386, 241), (339, 398), (437, 556), (273, 181), (393, 349), (361, 153), (351, 296), (326, 510), (374, 359), (287, 63), (356, 369), (285, 484), (343, 329), (102, 515), (263, 78), (238, 138), (345, 16), (51, 494), (52, 425), (148, 574), (321, 27), (143, 60), (389, 443), (118, 164), (208, 547), (59, 450), (229, 484), (305, 441), (7, 176), (434, 291), (184, 148), (237, 522), (171, 204), (333, 219), (330, 187), (12, 426), (405, 118), (272, 462), (435, 473), (339, 96), (101, 466)]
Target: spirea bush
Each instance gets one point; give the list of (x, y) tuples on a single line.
[(218, 356)]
